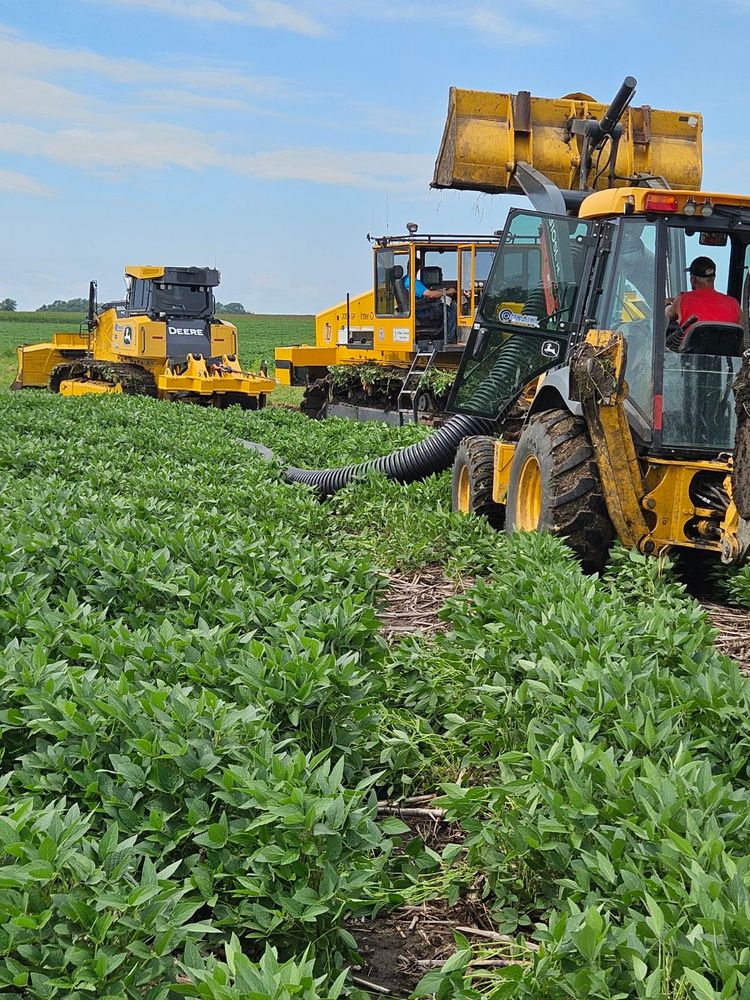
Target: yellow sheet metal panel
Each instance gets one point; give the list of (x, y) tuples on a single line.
[(35, 362), (223, 339), (486, 134), (504, 453), (618, 201), (87, 387), (144, 271), (332, 324), (66, 341)]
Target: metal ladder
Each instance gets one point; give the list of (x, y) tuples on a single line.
[(421, 363)]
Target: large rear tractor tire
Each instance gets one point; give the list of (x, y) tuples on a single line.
[(473, 470), (555, 486)]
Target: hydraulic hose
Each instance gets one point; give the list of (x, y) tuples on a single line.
[(496, 393), (407, 465)]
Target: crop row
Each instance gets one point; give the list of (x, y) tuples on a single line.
[(199, 713)]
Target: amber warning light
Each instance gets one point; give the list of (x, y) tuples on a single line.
[(661, 203)]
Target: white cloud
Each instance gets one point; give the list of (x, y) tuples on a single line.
[(14, 183), (520, 25), (494, 25), (155, 99), (257, 13), (24, 97), (115, 150), (118, 135), (29, 58), (395, 172)]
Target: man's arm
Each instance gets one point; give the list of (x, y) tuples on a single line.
[(672, 310), (438, 293)]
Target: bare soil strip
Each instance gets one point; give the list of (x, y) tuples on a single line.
[(413, 601), (398, 948), (734, 632)]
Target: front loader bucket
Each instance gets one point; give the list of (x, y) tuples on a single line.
[(487, 134)]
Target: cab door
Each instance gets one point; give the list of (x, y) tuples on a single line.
[(466, 300), (532, 303), (474, 266)]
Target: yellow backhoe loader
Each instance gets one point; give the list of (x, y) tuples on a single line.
[(633, 428), (163, 340)]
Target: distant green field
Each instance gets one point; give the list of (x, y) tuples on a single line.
[(258, 335)]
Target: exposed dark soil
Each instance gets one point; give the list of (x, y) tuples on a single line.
[(398, 948)]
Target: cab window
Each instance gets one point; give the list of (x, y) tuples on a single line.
[(536, 275), (697, 402), (482, 264), (630, 306), (391, 295), (438, 268), (139, 290)]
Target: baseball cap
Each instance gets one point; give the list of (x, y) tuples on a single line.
[(702, 267)]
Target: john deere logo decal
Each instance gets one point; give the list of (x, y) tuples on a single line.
[(127, 337), (550, 349)]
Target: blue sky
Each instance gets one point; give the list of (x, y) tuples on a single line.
[(268, 138)]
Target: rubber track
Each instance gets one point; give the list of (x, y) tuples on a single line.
[(135, 381)]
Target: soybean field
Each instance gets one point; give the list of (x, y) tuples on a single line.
[(258, 746)]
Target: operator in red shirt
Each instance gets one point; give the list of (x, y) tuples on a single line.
[(703, 301)]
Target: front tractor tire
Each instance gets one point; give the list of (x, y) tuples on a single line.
[(555, 486), (473, 470)]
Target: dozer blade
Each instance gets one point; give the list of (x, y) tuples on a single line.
[(487, 134), (226, 378)]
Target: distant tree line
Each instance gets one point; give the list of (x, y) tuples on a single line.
[(235, 308), (81, 305), (65, 305)]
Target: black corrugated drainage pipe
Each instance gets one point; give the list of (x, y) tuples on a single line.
[(434, 453)]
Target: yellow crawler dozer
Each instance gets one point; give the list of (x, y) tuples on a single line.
[(163, 340)]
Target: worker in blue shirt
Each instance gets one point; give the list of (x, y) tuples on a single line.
[(429, 305)]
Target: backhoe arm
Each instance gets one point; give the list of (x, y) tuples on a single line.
[(597, 381)]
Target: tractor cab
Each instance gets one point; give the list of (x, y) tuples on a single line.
[(679, 376), (394, 339), (171, 292), (182, 298), (458, 267), (615, 268)]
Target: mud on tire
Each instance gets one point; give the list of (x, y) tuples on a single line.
[(471, 489), (571, 500)]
